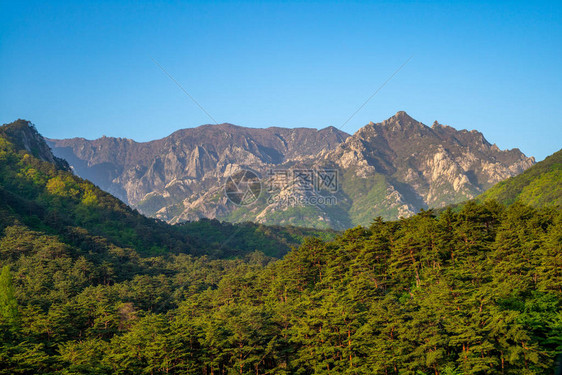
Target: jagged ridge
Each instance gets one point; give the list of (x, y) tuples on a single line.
[(391, 169)]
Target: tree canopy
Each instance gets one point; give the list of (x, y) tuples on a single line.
[(88, 286)]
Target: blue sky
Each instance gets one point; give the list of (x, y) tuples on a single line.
[(85, 68)]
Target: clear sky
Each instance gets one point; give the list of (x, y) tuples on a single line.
[(85, 69)]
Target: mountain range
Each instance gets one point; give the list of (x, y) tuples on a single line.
[(90, 286), (390, 169)]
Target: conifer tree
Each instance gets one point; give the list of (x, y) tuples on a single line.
[(8, 304)]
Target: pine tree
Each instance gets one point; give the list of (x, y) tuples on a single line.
[(8, 303)]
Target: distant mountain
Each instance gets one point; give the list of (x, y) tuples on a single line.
[(390, 169), (417, 167), (188, 161), (538, 186)]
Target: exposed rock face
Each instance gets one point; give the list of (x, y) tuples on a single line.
[(189, 161), (388, 169), (24, 136), (438, 165)]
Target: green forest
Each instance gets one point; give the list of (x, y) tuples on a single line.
[(89, 286), (538, 186)]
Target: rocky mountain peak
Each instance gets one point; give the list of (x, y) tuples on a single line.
[(401, 122), (24, 136), (402, 116), (437, 125), (392, 168), (433, 166)]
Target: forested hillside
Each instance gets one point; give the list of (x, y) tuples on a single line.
[(39, 192), (474, 292), (539, 186), (88, 286)]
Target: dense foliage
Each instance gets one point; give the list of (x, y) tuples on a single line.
[(88, 286), (538, 186), (473, 292), (272, 240)]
